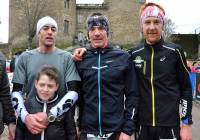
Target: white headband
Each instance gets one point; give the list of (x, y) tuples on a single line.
[(46, 21)]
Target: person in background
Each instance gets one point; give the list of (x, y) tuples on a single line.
[(14, 61)]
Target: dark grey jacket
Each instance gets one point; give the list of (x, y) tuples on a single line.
[(60, 129), (5, 97)]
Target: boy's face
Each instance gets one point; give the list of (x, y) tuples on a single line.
[(45, 87)]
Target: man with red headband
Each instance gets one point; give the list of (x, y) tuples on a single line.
[(107, 76), (164, 81)]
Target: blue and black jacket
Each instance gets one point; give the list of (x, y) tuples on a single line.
[(109, 92), (164, 83)]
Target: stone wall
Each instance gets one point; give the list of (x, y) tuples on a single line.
[(123, 16)]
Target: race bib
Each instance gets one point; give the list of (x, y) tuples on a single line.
[(169, 139)]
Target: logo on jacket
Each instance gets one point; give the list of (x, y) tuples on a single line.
[(138, 61), (109, 61), (162, 58)]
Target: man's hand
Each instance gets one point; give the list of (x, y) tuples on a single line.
[(186, 132), (36, 123), (78, 54), (11, 130), (124, 136)]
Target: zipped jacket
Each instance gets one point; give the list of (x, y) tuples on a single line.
[(163, 83), (60, 129), (107, 77)]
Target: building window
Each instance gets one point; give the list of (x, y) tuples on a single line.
[(142, 1), (66, 3), (66, 26), (80, 19)]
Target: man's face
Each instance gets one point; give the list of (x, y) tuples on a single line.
[(152, 30), (98, 37), (47, 36), (45, 87)]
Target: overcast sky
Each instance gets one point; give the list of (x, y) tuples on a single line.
[(184, 13), (4, 18)]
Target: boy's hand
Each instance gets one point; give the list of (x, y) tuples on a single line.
[(36, 123)]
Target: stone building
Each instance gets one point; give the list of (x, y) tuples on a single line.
[(71, 18)]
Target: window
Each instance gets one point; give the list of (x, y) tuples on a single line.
[(142, 1), (66, 26), (66, 3), (80, 19)]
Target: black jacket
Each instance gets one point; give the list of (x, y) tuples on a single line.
[(60, 129), (107, 76), (164, 82), (5, 98)]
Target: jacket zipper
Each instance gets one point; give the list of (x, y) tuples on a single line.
[(152, 87), (44, 110), (99, 93)]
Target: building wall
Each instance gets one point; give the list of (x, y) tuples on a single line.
[(189, 42), (83, 12), (123, 16), (67, 19)]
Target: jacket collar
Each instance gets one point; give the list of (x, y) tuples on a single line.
[(100, 50), (38, 99), (155, 46)]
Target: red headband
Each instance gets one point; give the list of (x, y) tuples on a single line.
[(152, 11)]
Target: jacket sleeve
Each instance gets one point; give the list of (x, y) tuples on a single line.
[(131, 100), (185, 87), (5, 97), (70, 126), (20, 130)]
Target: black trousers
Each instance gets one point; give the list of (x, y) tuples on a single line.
[(159, 133)]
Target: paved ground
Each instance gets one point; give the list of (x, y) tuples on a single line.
[(195, 126), (196, 119)]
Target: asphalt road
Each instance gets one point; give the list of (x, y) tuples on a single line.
[(196, 120)]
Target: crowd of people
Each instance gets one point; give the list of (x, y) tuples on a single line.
[(120, 95)]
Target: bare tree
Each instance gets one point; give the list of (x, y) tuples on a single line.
[(31, 11), (169, 28)]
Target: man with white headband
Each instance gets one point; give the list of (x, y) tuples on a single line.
[(164, 81), (27, 67)]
